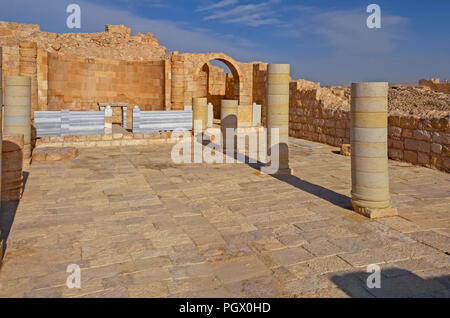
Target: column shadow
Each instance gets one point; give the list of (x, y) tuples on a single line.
[(394, 283), (10, 198), (7, 215), (334, 198)]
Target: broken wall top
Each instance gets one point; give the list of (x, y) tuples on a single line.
[(115, 43)]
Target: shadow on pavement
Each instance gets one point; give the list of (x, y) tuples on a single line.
[(334, 198), (7, 215), (394, 283)]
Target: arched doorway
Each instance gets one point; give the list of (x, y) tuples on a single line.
[(218, 78)]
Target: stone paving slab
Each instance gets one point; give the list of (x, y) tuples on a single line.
[(139, 225)]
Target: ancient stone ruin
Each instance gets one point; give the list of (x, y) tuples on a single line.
[(78, 72), (86, 140)]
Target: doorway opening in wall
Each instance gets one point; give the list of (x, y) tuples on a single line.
[(219, 80)]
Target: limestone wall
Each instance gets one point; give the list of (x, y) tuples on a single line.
[(423, 141), (77, 70), (259, 87), (26, 49), (77, 83), (321, 115)]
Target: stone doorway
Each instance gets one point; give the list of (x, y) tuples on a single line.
[(218, 79)]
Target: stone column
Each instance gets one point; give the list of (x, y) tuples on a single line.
[(11, 181), (18, 109), (369, 150), (278, 79), (229, 120), (199, 113), (177, 84)]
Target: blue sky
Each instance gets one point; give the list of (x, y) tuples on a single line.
[(323, 40)]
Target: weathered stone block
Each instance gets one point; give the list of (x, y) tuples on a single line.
[(441, 138), (407, 133), (411, 144), (410, 156), (422, 135), (436, 161), (436, 148), (340, 133), (423, 158), (424, 146), (397, 144), (446, 150), (396, 154), (446, 163), (395, 131)]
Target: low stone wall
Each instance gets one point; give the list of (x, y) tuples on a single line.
[(315, 115), (12, 166), (423, 141), (111, 140)]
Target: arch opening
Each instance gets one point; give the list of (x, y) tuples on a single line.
[(218, 79)]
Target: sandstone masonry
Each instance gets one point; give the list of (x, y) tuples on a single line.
[(322, 115)]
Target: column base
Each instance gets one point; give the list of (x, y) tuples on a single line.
[(279, 172), (375, 213)]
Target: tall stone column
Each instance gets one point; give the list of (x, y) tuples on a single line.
[(18, 109), (178, 83), (199, 113), (278, 79), (229, 120), (370, 178)]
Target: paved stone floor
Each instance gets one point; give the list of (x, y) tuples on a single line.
[(140, 226)]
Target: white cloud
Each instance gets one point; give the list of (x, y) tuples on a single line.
[(249, 14), (217, 5)]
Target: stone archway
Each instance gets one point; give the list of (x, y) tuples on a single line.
[(187, 82), (229, 84)]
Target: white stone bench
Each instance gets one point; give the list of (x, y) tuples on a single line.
[(154, 121), (66, 123)]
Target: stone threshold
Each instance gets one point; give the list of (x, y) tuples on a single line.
[(108, 140)]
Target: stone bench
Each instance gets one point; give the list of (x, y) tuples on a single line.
[(154, 121), (65, 123)]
